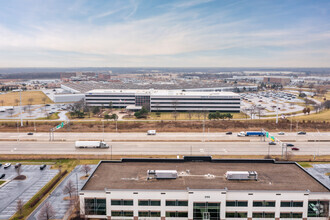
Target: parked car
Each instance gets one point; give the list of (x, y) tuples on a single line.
[(289, 145), (301, 133), (281, 133), (272, 143), (0, 164), (295, 148), (17, 165), (43, 166), (229, 133), (30, 133), (2, 176), (7, 165)]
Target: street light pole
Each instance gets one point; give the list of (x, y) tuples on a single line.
[(20, 106)]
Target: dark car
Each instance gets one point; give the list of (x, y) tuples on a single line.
[(43, 166), (289, 145), (229, 133), (30, 133), (295, 148), (47, 105), (0, 164), (2, 176), (18, 165), (301, 133), (272, 143)]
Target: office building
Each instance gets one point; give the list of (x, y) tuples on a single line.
[(166, 100), (202, 188)]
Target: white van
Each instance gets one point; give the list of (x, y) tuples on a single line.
[(151, 132)]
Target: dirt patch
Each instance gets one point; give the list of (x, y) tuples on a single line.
[(20, 177), (84, 177)]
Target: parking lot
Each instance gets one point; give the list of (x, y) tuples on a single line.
[(56, 199), (31, 112), (267, 102), (14, 190)]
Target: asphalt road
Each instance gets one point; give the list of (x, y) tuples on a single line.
[(142, 136), (165, 148)]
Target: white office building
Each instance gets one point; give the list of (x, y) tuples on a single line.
[(202, 188), (166, 100)]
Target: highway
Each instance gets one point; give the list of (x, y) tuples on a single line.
[(207, 136), (164, 148)]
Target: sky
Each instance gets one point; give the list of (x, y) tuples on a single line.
[(165, 33)]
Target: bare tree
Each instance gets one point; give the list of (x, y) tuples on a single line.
[(205, 114), (16, 102), (2, 102), (19, 206), (47, 212), (44, 100), (199, 115), (86, 168), (69, 188), (190, 114)]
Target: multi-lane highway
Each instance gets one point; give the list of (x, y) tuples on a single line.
[(163, 144), (207, 136), (164, 148)]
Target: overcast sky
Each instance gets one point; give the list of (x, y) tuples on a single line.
[(164, 33)]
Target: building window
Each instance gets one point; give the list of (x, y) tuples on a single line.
[(176, 214), (122, 202), (176, 203), (149, 214), (236, 203), (95, 206), (122, 213), (292, 204), (206, 210), (149, 202), (264, 204), (318, 208), (236, 214), (263, 215), (290, 215)]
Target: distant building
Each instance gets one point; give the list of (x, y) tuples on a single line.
[(166, 100), (202, 188), (277, 80), (103, 77)]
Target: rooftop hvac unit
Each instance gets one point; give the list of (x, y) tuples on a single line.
[(163, 174), (242, 175)]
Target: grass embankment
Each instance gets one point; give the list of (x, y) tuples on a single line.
[(322, 116), (51, 117), (37, 97), (2, 182)]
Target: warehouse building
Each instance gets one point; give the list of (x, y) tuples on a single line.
[(202, 188), (166, 100)]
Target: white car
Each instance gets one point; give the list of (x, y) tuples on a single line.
[(151, 132), (7, 165)]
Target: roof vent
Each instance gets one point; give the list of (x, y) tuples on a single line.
[(242, 175), (162, 174)]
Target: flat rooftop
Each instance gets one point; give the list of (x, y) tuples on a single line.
[(157, 92), (132, 174)]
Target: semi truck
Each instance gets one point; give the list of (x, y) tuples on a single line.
[(91, 144), (251, 133)]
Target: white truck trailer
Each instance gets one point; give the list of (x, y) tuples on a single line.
[(91, 144)]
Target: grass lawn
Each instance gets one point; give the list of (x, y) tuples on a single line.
[(52, 117), (323, 116), (321, 98), (37, 96), (186, 116), (310, 164), (2, 182)]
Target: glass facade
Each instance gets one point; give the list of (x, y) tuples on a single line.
[(290, 215), (177, 214), (176, 203), (122, 213), (95, 206), (206, 211), (149, 202), (236, 214), (143, 101), (263, 215), (318, 208), (292, 204), (122, 202), (149, 214), (236, 203), (263, 203)]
